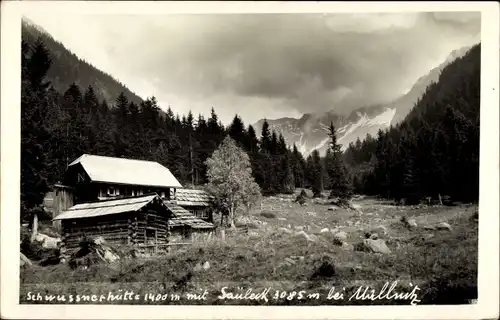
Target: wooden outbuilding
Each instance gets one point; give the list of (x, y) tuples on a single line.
[(197, 201), (146, 223)]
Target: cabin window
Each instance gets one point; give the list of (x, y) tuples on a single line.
[(133, 192), (113, 191), (80, 178), (102, 193), (163, 194), (139, 192)]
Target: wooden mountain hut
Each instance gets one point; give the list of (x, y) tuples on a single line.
[(141, 222), (198, 202), (185, 226), (145, 223)]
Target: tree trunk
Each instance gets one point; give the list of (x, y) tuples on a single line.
[(222, 219), (34, 227), (231, 217), (440, 200)]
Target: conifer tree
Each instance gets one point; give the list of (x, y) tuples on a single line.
[(317, 172), (336, 170)]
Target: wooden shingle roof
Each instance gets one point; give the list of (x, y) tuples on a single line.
[(183, 217), (193, 197)]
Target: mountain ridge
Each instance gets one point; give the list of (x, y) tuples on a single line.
[(310, 132)]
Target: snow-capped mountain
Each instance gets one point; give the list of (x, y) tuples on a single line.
[(310, 132)]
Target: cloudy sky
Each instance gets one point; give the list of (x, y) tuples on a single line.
[(265, 65)]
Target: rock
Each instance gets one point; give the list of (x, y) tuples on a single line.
[(374, 236), (110, 257), (357, 223), (198, 267), (47, 242), (429, 227), (253, 234), (289, 226), (305, 235), (349, 223), (347, 246), (206, 265), (412, 223), (332, 208), (99, 240), (282, 219), (324, 230), (443, 226), (380, 229), (341, 235), (299, 228), (290, 261), (377, 246), (355, 206), (24, 260), (285, 230), (311, 213), (409, 223)]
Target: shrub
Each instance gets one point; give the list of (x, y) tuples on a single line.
[(268, 214)]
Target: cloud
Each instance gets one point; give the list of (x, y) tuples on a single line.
[(266, 65)]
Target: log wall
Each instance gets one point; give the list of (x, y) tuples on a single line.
[(137, 229)]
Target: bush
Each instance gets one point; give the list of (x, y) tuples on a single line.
[(268, 214)]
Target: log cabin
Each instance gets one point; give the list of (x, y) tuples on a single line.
[(128, 202)]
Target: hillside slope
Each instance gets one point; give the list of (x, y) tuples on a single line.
[(68, 68)]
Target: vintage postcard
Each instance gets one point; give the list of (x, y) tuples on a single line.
[(249, 160)]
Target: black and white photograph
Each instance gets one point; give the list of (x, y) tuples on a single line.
[(248, 158)]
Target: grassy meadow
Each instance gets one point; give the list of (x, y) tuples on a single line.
[(285, 247)]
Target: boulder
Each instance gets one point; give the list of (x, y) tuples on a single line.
[(93, 251), (198, 267), (443, 226), (377, 246), (332, 208), (110, 257), (206, 265), (341, 235), (282, 219), (355, 206), (25, 261), (429, 227), (47, 242), (285, 230), (409, 223), (412, 223), (381, 229), (324, 230), (305, 235)]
